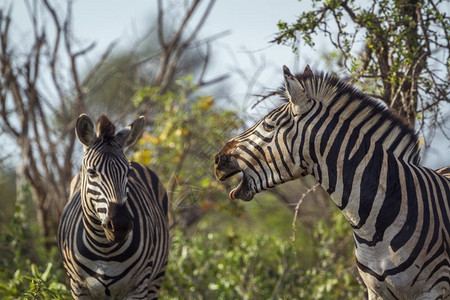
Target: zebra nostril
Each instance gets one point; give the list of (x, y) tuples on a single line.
[(217, 160)]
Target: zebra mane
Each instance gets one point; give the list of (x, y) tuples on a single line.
[(105, 129), (329, 90)]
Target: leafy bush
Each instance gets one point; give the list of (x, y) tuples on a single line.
[(22, 252), (221, 249), (244, 261), (209, 266), (334, 275), (232, 266), (33, 284), (186, 133)]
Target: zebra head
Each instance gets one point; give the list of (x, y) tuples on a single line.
[(104, 174), (265, 153)]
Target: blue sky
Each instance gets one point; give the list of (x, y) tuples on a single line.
[(252, 24)]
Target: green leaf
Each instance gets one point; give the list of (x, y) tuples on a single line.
[(46, 273)]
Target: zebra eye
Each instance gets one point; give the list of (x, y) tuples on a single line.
[(267, 127), (91, 172)]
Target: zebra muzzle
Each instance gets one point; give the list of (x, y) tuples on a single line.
[(226, 166), (119, 223)]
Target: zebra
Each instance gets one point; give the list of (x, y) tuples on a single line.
[(367, 159), (113, 234)]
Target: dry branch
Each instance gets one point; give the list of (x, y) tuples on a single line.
[(297, 206)]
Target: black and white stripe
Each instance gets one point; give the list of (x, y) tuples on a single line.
[(113, 234), (367, 159)]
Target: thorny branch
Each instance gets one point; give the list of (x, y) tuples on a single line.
[(297, 206), (405, 58)]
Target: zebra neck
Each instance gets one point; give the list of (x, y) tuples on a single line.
[(94, 231), (92, 226), (366, 187)]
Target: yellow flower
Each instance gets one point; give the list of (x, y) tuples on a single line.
[(148, 138), (206, 102)]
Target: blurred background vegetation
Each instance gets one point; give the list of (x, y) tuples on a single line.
[(221, 249)]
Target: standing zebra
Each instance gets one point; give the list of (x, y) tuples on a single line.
[(367, 159), (113, 234)]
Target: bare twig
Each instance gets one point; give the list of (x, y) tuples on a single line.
[(297, 206), (264, 97)]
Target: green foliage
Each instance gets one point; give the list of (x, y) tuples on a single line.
[(33, 284), (226, 256), (234, 250), (209, 267), (235, 265), (334, 277), (385, 23), (396, 49), (188, 131), (27, 271)]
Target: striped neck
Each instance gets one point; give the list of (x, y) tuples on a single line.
[(355, 148), (358, 164)]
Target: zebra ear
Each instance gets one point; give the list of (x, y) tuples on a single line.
[(84, 129), (131, 133), (294, 90)]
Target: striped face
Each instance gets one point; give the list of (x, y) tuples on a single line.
[(266, 154), (104, 175), (104, 180)]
